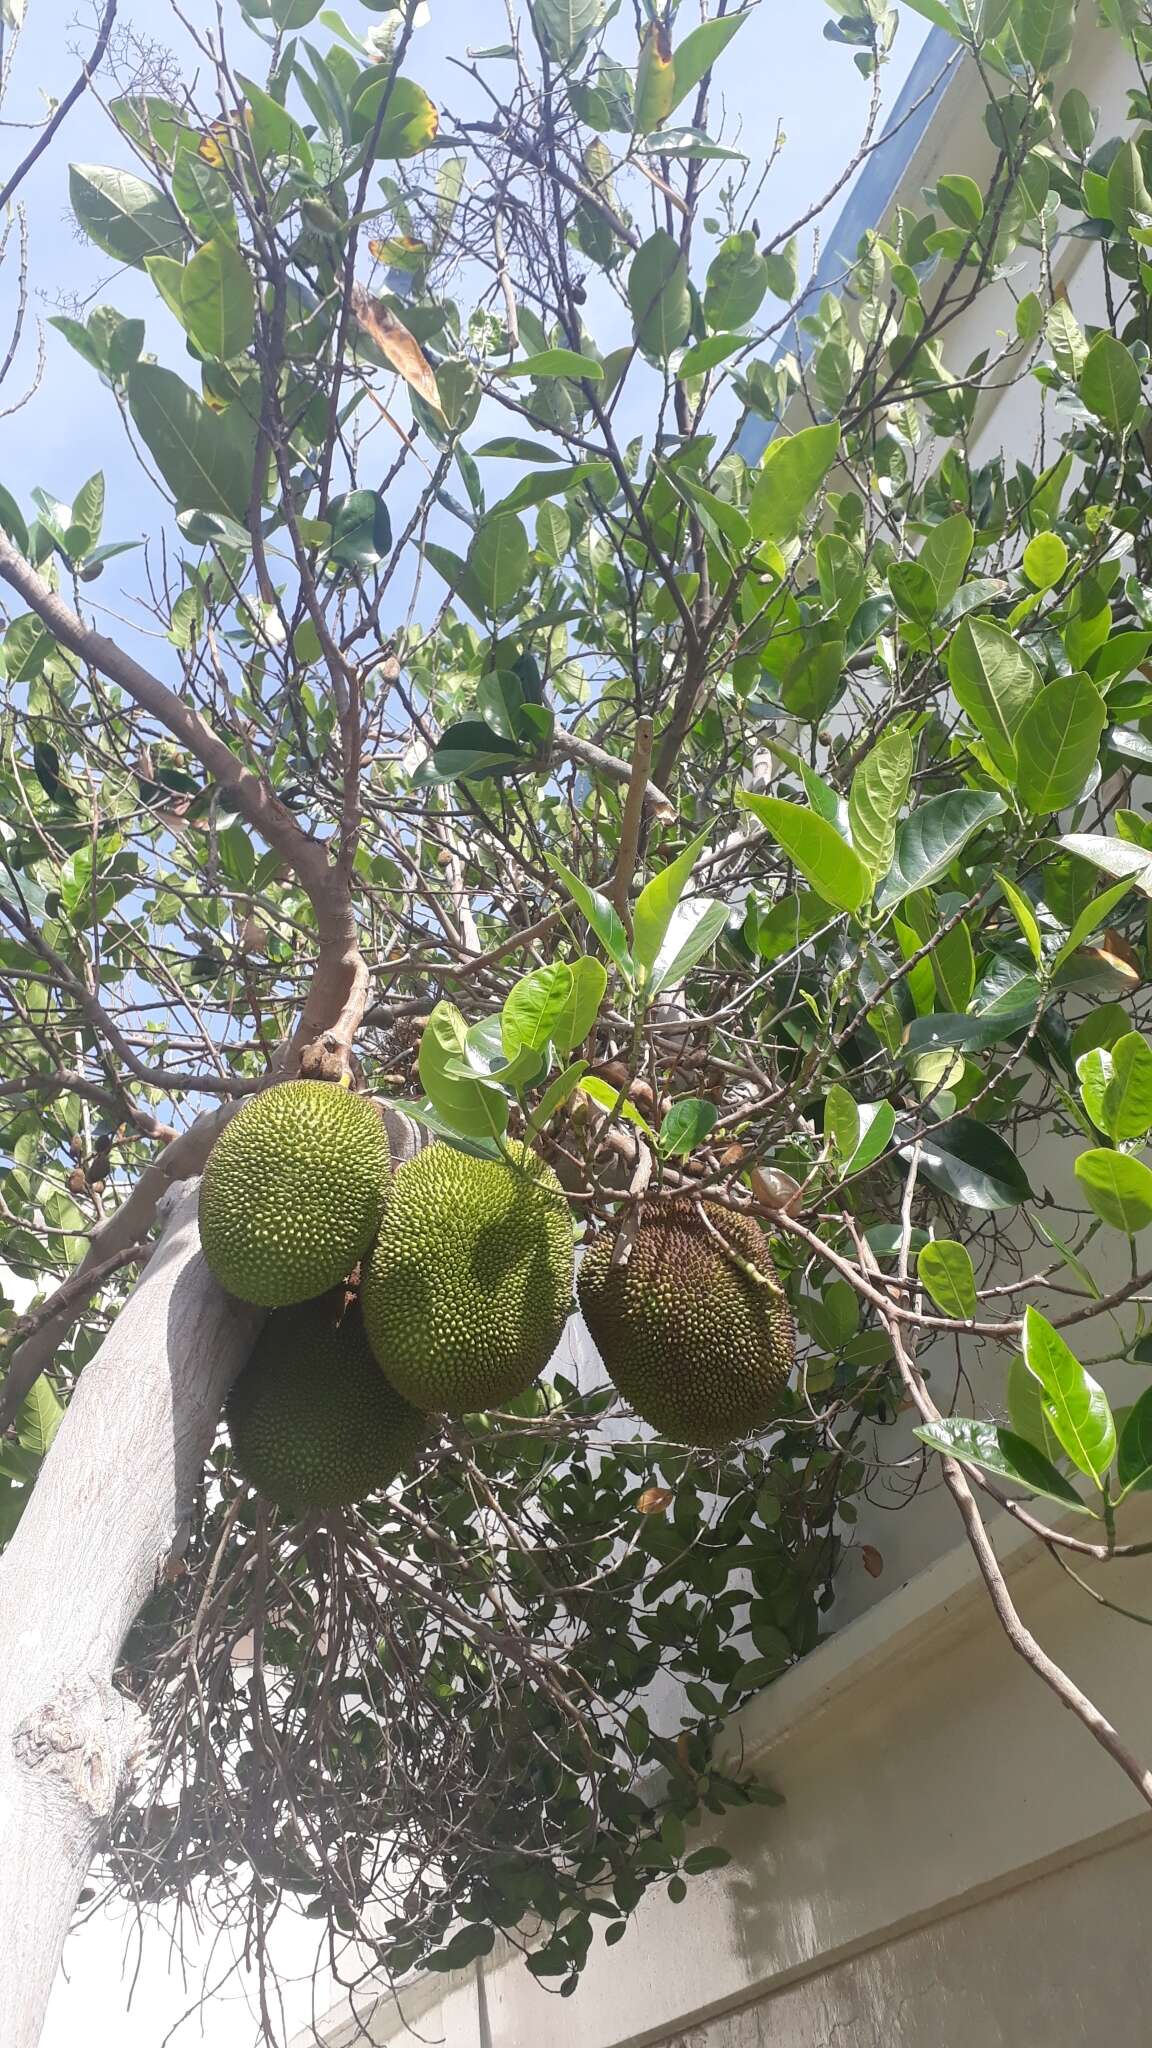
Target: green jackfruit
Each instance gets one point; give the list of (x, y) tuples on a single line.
[(697, 1346), (470, 1283), (313, 1421), (293, 1192)]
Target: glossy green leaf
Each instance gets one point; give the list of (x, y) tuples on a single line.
[(999, 1451), (409, 121), (694, 930), (601, 916), (945, 552), (656, 904), (555, 1096), (273, 131), (686, 1126), (1134, 1451), (1075, 1406), (929, 841), (1045, 560), (499, 560), (994, 681), (945, 1270), (658, 295), (698, 52), (361, 530), (471, 750), (973, 1164), (832, 867), (1025, 916), (579, 1013), (792, 470), (1117, 857), (841, 1122), (1127, 1100), (1119, 1189), (877, 1123), (1024, 1399), (736, 284), (218, 300), (533, 1007), (1109, 383), (567, 24), (1095, 913), (1042, 30), (608, 1097), (124, 215), (552, 362), (473, 1106), (1057, 742), (39, 1417), (204, 457)]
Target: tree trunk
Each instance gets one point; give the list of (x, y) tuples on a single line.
[(115, 1490)]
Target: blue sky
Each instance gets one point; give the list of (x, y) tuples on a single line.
[(782, 68)]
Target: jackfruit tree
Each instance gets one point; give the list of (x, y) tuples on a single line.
[(548, 755)]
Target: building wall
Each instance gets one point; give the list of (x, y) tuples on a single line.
[(957, 1864)]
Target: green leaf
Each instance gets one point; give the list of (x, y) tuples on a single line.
[(877, 1123), (556, 1095), (218, 301), (567, 24), (273, 131), (877, 796), (88, 506), (1134, 1451), (1118, 1188), (658, 295), (1025, 1403), (533, 1007), (293, 14), (914, 592), (961, 199), (603, 1093), (575, 1021), (499, 560), (947, 1031), (1127, 1100), (471, 750), (550, 362), (654, 80), (994, 681), (945, 554), (475, 1107), (12, 520), (361, 530), (693, 932), (39, 1417), (556, 483), (124, 215), (1119, 857), (974, 1165), (929, 841), (1045, 560), (826, 861), (1025, 916), (686, 1126), (1075, 1407), (696, 55), (601, 916), (945, 1269), (1057, 742), (1042, 30), (205, 458), (1001, 1452), (793, 468), (841, 1121), (1109, 383), (736, 284), (657, 902)]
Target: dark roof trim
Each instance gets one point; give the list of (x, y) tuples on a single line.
[(875, 189)]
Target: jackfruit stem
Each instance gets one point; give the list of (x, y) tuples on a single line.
[(745, 1265)]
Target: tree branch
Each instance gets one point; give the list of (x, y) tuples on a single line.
[(65, 107)]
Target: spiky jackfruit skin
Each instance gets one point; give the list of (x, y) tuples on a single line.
[(293, 1192), (470, 1283), (696, 1346), (313, 1421)]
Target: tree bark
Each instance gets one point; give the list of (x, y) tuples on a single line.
[(115, 1490)]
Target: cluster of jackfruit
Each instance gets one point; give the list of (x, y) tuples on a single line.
[(465, 1269), (464, 1272)]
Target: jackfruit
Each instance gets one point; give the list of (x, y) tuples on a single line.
[(293, 1192), (470, 1283), (313, 1421), (696, 1345)]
